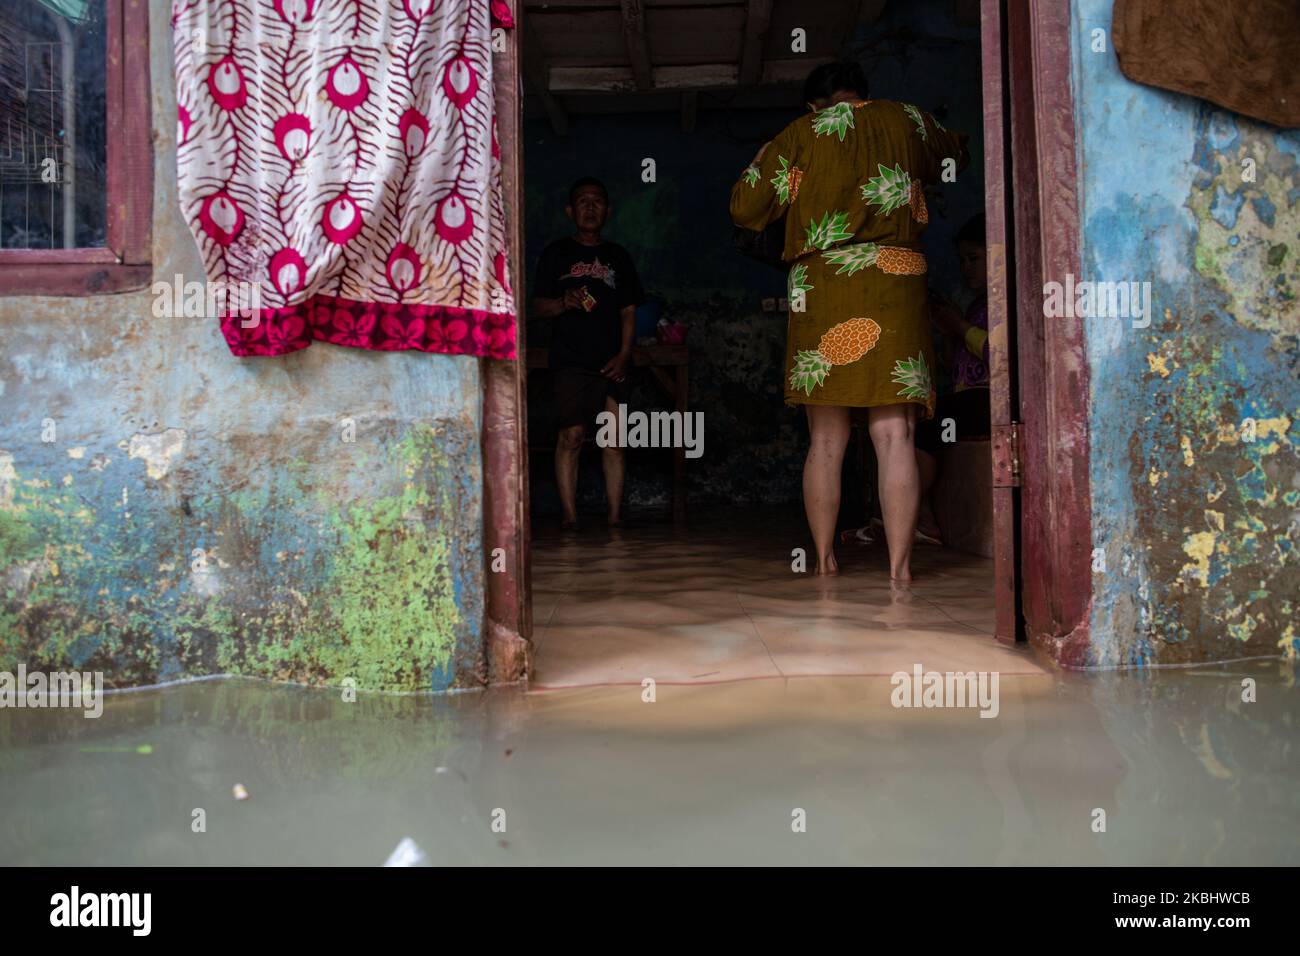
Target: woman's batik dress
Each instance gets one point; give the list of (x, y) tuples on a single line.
[(849, 181)]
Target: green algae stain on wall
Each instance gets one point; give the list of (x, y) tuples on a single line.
[(382, 599), (385, 610), (53, 557)]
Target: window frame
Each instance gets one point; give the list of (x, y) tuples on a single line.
[(125, 263)]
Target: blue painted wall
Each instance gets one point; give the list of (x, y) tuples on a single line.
[(321, 558), (1199, 523)]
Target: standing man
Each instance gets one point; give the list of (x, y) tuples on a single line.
[(590, 288)]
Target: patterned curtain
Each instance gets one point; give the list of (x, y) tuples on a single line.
[(337, 162)]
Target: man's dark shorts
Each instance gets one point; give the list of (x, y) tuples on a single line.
[(580, 396)]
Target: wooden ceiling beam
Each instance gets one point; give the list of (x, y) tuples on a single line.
[(538, 76), (712, 76), (758, 19), (638, 48), (670, 102)]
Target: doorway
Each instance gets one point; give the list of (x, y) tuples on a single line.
[(681, 113)]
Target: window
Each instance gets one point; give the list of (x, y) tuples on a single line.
[(76, 159)]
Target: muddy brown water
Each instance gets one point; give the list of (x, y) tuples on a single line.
[(1185, 771)]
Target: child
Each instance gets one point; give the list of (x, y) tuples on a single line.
[(968, 403)]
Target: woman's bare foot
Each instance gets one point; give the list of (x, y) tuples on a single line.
[(828, 565)]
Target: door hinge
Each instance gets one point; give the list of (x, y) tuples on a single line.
[(1006, 455)]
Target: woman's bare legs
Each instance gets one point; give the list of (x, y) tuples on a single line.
[(890, 427), (828, 427)]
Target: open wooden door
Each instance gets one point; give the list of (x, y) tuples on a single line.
[(1038, 370), (1003, 393)]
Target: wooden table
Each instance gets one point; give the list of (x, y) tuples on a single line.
[(670, 365)]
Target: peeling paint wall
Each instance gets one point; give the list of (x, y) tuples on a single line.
[(1195, 421), (168, 510)]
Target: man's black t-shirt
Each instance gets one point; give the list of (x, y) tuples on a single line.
[(589, 336)]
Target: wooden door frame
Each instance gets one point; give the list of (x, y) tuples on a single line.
[(1035, 124), (1043, 575), (508, 605), (1003, 404)]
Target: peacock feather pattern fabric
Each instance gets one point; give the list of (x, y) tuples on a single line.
[(340, 158)]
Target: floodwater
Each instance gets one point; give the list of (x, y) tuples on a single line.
[(1184, 770), (719, 601)]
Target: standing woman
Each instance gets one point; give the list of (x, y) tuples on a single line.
[(848, 177)]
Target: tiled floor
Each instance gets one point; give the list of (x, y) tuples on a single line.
[(718, 601)]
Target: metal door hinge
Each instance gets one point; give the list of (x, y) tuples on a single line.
[(1006, 455)]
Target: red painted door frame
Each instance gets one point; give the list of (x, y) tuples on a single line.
[(507, 618), (1043, 523), (1029, 111)]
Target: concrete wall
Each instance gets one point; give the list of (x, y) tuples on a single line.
[(1199, 523), (322, 559)]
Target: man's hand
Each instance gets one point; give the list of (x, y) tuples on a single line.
[(549, 308), (616, 368)]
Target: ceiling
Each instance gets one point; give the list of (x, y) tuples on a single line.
[(602, 56)]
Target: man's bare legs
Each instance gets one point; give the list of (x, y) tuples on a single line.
[(611, 460), (567, 450), (828, 427), (890, 427)]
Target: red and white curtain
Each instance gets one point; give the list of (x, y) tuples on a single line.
[(341, 157)]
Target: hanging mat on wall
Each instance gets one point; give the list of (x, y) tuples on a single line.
[(340, 160), (1241, 56)]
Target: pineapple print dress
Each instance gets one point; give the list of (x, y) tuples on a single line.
[(849, 181)]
